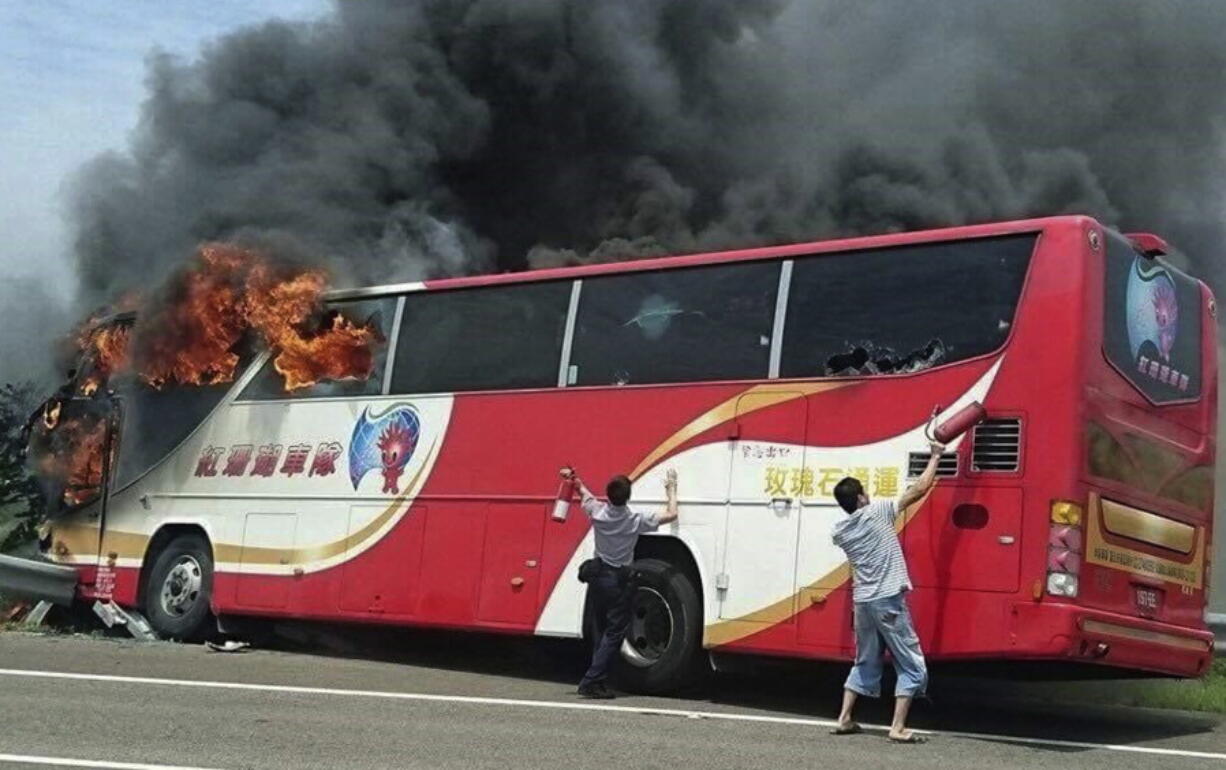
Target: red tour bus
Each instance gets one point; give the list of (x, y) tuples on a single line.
[(1072, 525)]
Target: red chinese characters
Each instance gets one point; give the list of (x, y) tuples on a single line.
[(207, 464), (266, 461), (239, 459), (296, 459), (324, 463)]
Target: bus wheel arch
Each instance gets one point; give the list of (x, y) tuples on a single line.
[(175, 589), (663, 649)]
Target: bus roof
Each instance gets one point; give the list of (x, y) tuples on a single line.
[(712, 257)]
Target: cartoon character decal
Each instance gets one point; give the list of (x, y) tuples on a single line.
[(385, 441), (1153, 311)]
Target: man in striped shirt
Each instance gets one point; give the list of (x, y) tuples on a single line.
[(879, 586)]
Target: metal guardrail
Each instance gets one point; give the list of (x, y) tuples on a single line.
[(1217, 624), (37, 579)]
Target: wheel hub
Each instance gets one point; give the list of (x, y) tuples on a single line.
[(650, 630), (181, 587)]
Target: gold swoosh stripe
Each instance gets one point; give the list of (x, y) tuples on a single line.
[(305, 555), (728, 631), (80, 539), (722, 413)]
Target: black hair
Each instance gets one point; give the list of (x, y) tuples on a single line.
[(618, 490), (848, 492)]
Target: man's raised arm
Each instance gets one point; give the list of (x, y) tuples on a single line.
[(670, 491), (587, 501), (926, 480)]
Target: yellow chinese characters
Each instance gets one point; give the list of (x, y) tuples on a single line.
[(803, 482)]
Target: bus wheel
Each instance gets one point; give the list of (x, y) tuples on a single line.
[(178, 589), (663, 644)]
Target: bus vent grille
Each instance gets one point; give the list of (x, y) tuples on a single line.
[(918, 460), (997, 445)]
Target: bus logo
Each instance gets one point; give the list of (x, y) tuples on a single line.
[(385, 441), (1153, 312)]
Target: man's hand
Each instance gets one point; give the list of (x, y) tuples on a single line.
[(670, 491), (927, 479), (569, 473)]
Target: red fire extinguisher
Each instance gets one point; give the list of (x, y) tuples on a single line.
[(566, 493), (958, 423)]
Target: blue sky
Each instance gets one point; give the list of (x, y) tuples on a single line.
[(71, 85)]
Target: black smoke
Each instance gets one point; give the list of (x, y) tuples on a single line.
[(402, 140)]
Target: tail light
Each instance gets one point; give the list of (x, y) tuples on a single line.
[(1065, 546)]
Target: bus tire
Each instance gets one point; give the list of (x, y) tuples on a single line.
[(663, 648), (179, 588)]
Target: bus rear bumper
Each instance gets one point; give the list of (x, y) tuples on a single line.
[(37, 580), (1113, 639)]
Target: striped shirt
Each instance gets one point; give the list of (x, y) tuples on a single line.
[(871, 544)]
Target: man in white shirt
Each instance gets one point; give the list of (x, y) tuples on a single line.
[(616, 531), (880, 583)]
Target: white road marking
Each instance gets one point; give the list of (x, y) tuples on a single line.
[(64, 762), (577, 706)]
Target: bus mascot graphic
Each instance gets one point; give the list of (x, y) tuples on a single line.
[(1153, 311), (385, 441)]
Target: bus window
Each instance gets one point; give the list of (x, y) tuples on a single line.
[(269, 384), (687, 325), (1152, 322), (903, 309), (492, 338), (156, 421)]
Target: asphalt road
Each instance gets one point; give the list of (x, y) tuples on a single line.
[(463, 701)]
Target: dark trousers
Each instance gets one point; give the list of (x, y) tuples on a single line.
[(610, 595)]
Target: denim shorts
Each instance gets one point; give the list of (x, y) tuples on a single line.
[(887, 622)]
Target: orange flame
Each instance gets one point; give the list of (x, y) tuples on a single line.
[(84, 460), (104, 349), (51, 414), (189, 338), (192, 338), (77, 460), (281, 309)]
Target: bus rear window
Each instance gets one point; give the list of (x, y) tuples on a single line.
[(899, 310), (1151, 324)]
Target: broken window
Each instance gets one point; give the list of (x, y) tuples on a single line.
[(681, 325), (369, 359), (893, 311)]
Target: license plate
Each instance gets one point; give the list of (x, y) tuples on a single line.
[(1148, 600)]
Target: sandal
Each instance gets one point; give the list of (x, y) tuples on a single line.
[(912, 738), (851, 729)]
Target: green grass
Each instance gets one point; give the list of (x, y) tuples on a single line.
[(1207, 694)]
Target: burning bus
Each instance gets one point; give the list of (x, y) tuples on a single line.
[(392, 456)]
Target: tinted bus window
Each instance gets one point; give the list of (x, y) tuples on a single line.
[(903, 309), (501, 337), (156, 421), (374, 313), (687, 325), (1152, 323)]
